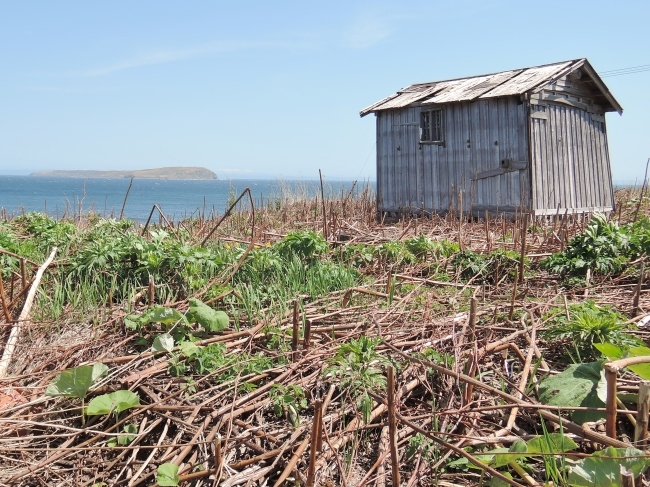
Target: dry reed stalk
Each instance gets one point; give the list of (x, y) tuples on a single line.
[(421, 318), (24, 316)]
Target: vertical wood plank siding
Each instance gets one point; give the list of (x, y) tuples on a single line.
[(570, 162), (478, 136)]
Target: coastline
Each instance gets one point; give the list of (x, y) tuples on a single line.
[(170, 173)]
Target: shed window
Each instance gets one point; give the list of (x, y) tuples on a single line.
[(431, 126)]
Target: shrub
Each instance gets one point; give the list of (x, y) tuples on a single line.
[(306, 244), (587, 325), (603, 247)]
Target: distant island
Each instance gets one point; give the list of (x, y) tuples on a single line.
[(159, 173)]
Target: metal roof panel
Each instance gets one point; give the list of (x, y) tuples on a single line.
[(526, 80), (505, 83)]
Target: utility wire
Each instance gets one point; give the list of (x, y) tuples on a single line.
[(623, 71)]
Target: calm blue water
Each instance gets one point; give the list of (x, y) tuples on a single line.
[(177, 199)]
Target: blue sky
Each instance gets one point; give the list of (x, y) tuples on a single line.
[(273, 89)]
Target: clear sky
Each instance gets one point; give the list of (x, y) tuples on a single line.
[(273, 89)]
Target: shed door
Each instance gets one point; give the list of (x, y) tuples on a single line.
[(542, 188), (408, 162)]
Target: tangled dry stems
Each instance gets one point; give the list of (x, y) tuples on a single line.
[(223, 434)]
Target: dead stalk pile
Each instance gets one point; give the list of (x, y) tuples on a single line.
[(385, 382)]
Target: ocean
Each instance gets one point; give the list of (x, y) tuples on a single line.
[(177, 199)]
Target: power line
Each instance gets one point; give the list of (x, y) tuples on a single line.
[(623, 71)]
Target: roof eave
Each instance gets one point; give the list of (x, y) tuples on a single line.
[(583, 64), (602, 87), (371, 108)]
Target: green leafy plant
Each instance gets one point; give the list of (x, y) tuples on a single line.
[(421, 247), (167, 475), (171, 319), (306, 244), (76, 382), (358, 255), (213, 359), (164, 342), (551, 443), (639, 234), (396, 253), (486, 268), (113, 403), (288, 401), (356, 364), (155, 315), (615, 352), (588, 324), (447, 248), (603, 247), (130, 431), (517, 455), (604, 468), (210, 319), (50, 232), (210, 358), (578, 385)]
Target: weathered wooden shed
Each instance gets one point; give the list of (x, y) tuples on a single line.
[(531, 140)]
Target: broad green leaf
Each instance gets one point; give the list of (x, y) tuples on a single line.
[(76, 382), (603, 468), (639, 351), (188, 349), (163, 342), (115, 402), (611, 351), (123, 440), (157, 314), (516, 451), (489, 457), (131, 430), (167, 475), (551, 443), (578, 385), (165, 316), (459, 462), (628, 397), (642, 370), (497, 482), (635, 460), (210, 319), (132, 322), (615, 352)]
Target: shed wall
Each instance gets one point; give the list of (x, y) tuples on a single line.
[(478, 135), (570, 161)]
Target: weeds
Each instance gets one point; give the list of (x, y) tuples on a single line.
[(356, 365), (288, 401), (588, 324), (603, 247), (307, 245), (491, 268)]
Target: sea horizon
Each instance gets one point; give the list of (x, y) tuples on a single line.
[(177, 198)]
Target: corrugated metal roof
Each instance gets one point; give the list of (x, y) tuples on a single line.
[(505, 83)]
